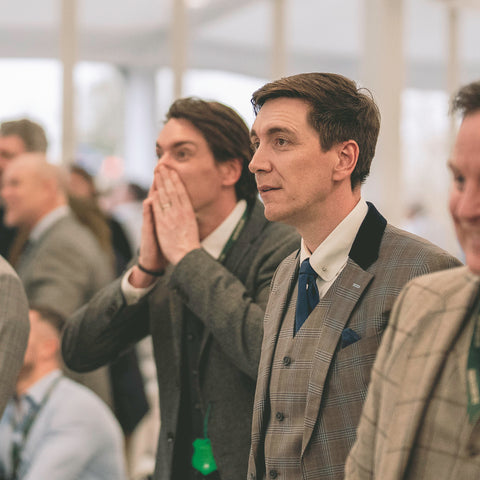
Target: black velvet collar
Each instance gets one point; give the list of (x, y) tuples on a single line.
[(366, 245)]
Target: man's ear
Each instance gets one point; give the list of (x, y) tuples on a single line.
[(231, 170), (347, 153)]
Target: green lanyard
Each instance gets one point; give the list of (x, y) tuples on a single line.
[(27, 425), (473, 373), (233, 237), (203, 459)]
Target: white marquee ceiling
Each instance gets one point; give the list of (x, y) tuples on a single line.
[(235, 35)]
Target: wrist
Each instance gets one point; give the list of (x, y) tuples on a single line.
[(139, 279), (148, 271)]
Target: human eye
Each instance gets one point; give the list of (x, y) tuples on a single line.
[(281, 142), (458, 178), (459, 181), (254, 144), (182, 154)]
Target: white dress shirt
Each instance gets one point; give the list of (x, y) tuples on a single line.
[(330, 257)]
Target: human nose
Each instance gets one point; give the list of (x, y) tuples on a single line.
[(259, 161), (164, 160)]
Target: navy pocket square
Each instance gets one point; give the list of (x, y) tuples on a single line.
[(349, 336)]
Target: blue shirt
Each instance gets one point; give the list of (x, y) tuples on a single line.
[(74, 435)]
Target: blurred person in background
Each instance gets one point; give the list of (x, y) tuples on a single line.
[(61, 265), (54, 428), (199, 287), (17, 137), (84, 201), (128, 388), (14, 327), (127, 209)]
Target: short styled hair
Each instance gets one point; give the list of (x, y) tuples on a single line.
[(339, 111), (226, 134), (32, 134), (49, 315), (466, 100)]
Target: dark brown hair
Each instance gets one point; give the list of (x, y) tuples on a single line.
[(339, 112), (226, 134), (50, 316), (31, 133), (466, 100)]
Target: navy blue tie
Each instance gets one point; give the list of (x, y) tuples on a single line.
[(307, 297)]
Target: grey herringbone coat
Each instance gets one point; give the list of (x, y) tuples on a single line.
[(232, 312)]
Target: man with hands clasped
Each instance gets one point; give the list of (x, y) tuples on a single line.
[(199, 287)]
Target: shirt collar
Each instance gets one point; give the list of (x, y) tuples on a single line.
[(39, 389), (47, 221), (215, 242), (332, 254)]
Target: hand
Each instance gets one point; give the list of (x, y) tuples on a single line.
[(175, 223), (150, 256)]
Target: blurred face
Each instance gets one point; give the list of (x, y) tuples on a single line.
[(293, 174), (181, 147), (78, 186), (465, 189), (10, 147), (23, 192), (39, 346)]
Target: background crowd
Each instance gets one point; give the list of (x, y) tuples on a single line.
[(225, 324)]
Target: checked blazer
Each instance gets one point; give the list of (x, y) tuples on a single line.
[(381, 261), (413, 394), (14, 328)]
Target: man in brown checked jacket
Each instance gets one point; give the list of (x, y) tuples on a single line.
[(421, 416), (314, 138)]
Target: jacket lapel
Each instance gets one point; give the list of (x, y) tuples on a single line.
[(345, 293), (283, 285), (282, 288), (237, 258)]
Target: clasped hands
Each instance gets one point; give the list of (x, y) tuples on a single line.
[(169, 228)]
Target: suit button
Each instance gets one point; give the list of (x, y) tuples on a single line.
[(273, 474), (279, 416), (170, 437), (287, 361)]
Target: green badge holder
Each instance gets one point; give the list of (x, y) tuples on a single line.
[(202, 458)]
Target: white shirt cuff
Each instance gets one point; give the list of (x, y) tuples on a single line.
[(133, 294)]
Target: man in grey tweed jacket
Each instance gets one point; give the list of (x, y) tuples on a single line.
[(421, 416), (14, 328), (315, 138), (207, 244)]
